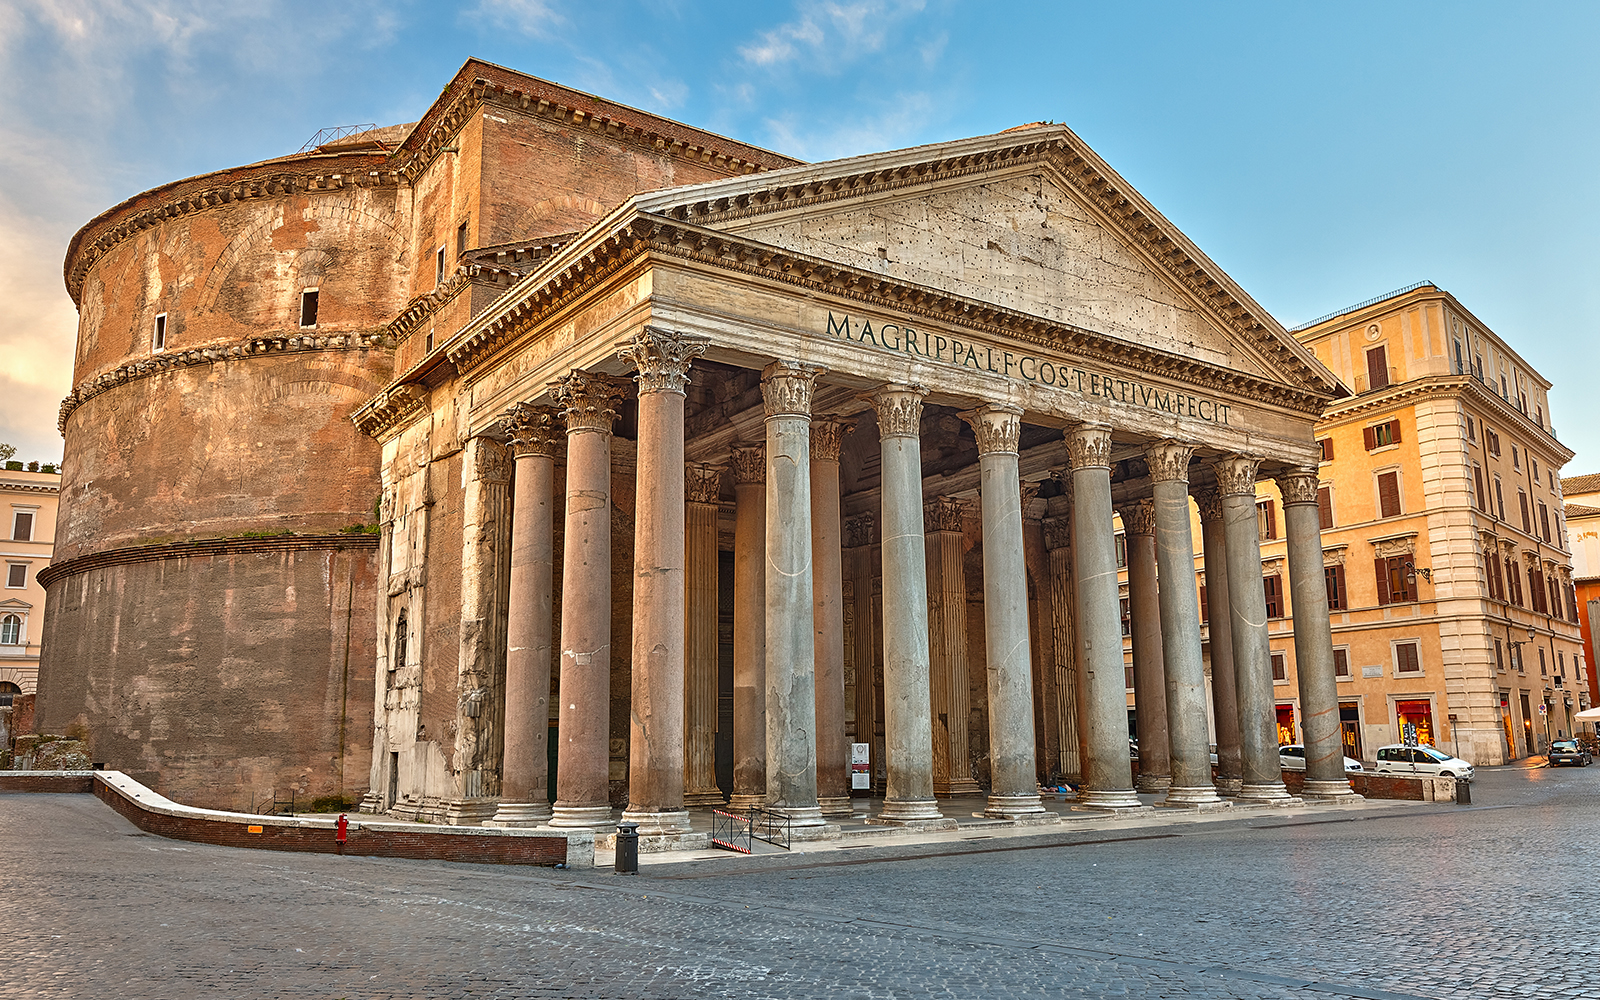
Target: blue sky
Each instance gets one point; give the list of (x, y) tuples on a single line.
[(1322, 154)]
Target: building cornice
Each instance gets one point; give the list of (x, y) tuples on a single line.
[(12, 486), (499, 266), (200, 548)]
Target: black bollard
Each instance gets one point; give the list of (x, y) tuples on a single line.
[(627, 849)]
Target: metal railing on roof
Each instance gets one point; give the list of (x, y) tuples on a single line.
[(1362, 305), (327, 135)]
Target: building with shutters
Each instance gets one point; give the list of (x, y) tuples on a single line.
[(1449, 577), (31, 497), (1582, 505)]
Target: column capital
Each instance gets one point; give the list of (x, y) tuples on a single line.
[(1210, 503), (1138, 517), (1063, 478), (786, 387), (533, 430), (662, 358), (1058, 533), (588, 400), (998, 427), (899, 410), (860, 529), (1298, 485), (1236, 475), (749, 464), (1089, 447), (1029, 489), (943, 514), (1168, 460), (702, 483), (489, 461), (827, 436)]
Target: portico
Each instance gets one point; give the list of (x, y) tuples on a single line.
[(860, 366)]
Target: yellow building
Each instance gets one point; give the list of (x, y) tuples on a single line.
[(30, 527)]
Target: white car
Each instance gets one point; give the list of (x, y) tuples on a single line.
[(1396, 758), (1292, 757)]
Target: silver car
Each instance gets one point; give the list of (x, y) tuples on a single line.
[(1396, 758), (1292, 757)]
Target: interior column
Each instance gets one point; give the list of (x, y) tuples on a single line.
[(1067, 688), (1219, 629), (534, 432), (827, 555), (749, 628), (948, 672), (1144, 613), (583, 754), (703, 486)]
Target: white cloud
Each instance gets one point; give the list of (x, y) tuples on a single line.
[(830, 34), (901, 123), (534, 18)]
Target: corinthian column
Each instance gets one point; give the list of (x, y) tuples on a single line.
[(749, 628), (535, 432), (1014, 791), (1066, 689), (1224, 701), (1108, 776), (703, 484), (1180, 628), (1144, 610), (1313, 639), (947, 650), (583, 792), (864, 651), (827, 554), (908, 739), (1252, 655), (791, 628)]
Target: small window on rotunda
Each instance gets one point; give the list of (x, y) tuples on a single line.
[(158, 335), (308, 308)]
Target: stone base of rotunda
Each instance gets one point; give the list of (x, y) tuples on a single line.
[(519, 815), (469, 812)]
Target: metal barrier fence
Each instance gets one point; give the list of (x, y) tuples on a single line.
[(774, 828), (730, 831), (734, 831)]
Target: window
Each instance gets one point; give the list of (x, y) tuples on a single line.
[(1341, 662), (438, 267), (1516, 656), (428, 346), (22, 526), (1338, 599), (1395, 580), (1478, 499), (1514, 582), (1273, 586), (1505, 393), (1461, 364), (1389, 494), (158, 335), (1381, 435), (1472, 430), (1127, 676), (17, 575), (397, 658), (1406, 659), (10, 630), (1497, 587), (1499, 657), (8, 693), (1122, 550), (1378, 368), (1500, 498), (1522, 505), (1491, 441), (1536, 588), (1516, 458), (1538, 416), (1127, 617), (1324, 507), (308, 307), (1544, 520), (1280, 666), (1205, 607), (1533, 466), (1326, 444), (1544, 669), (461, 238), (1266, 521)]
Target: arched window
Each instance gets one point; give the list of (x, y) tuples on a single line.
[(397, 658), (8, 693), (10, 630)]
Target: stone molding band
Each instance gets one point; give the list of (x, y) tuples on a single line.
[(202, 548)]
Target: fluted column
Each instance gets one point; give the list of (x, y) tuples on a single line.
[(749, 627), (1014, 785), (827, 559), (583, 754), (791, 624), (1185, 667), (1144, 612), (948, 672), (908, 737), (1067, 689), (1313, 639), (1224, 701), (1108, 776), (1262, 775), (534, 432), (703, 486)]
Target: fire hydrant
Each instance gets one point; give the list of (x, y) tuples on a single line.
[(341, 831)]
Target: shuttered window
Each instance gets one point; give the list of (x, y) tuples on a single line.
[(1406, 660), (1377, 368), (1337, 598), (1325, 507), (1327, 449), (1280, 667), (1544, 520), (1266, 521), (1381, 435), (1341, 662), (1522, 505), (1389, 494), (1273, 585), (1477, 487), (1394, 587), (1205, 606)]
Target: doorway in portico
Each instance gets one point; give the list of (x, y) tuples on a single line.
[(1285, 724), (1350, 728)]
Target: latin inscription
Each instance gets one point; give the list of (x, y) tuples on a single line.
[(1027, 367)]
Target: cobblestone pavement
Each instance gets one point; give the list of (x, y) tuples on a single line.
[(1493, 900)]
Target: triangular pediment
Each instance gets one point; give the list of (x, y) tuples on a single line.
[(1029, 221)]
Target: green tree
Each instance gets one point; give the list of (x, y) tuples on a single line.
[(6, 451)]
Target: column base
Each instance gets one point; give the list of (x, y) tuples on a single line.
[(371, 802), (1117, 800), (707, 798), (520, 814), (835, 805), (655, 843), (1229, 786), (1337, 792), (1022, 808), (1271, 794), (919, 813), (469, 812), (827, 831), (745, 801), (1149, 783), (658, 822), (956, 787), (1199, 797), (800, 816), (583, 817)]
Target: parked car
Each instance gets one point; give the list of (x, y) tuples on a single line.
[(1292, 757), (1397, 758), (1568, 752)]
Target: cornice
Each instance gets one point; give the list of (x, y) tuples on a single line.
[(395, 405), (155, 364), (1429, 385), (11, 486), (198, 548)]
